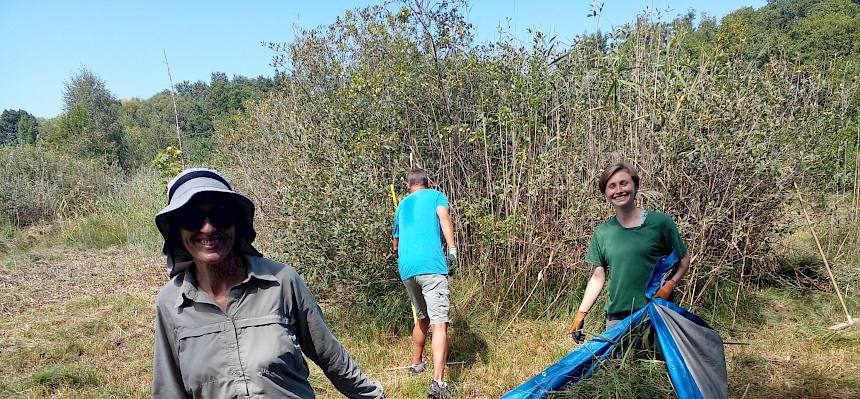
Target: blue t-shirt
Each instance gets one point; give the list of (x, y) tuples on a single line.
[(417, 226)]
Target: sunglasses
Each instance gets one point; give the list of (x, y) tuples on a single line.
[(220, 217)]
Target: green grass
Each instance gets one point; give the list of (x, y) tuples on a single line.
[(623, 378), (126, 218), (78, 325), (78, 340), (69, 376)]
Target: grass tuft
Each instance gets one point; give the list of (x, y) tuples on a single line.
[(623, 378), (64, 376)]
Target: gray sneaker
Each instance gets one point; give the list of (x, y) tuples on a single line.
[(439, 390), (419, 368)]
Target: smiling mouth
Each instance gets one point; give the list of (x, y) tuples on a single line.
[(210, 242)]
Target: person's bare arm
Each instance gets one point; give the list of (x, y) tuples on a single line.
[(447, 225), (592, 290), (681, 270)]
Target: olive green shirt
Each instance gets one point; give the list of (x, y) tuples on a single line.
[(629, 254), (254, 350)]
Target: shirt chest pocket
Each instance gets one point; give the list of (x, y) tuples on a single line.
[(202, 353), (269, 341)]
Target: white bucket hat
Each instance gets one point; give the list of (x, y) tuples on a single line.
[(180, 191)]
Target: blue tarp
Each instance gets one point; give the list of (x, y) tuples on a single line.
[(693, 351)]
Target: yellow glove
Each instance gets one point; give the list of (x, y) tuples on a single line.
[(576, 328), (666, 290)]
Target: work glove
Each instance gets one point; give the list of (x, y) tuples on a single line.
[(576, 333), (452, 260), (666, 290)]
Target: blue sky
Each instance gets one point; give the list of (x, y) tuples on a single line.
[(43, 43)]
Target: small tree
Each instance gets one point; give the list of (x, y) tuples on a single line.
[(90, 126), (8, 126), (28, 128)]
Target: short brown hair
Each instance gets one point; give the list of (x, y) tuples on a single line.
[(417, 176), (613, 169)]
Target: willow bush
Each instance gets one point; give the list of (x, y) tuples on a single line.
[(40, 185), (517, 136)]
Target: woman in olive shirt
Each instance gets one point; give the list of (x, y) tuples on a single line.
[(230, 323), (629, 245)]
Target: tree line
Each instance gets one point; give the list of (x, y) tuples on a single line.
[(129, 133)]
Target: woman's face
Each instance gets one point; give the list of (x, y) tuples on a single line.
[(620, 190), (208, 230)]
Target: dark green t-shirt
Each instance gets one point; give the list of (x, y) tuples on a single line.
[(629, 256)]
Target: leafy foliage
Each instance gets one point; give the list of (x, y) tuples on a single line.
[(813, 32), (516, 137), (149, 125), (18, 126), (89, 128), (168, 162)]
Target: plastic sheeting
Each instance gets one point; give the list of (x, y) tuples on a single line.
[(693, 351)]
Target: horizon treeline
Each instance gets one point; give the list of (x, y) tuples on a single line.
[(722, 118), (813, 34), (130, 132)]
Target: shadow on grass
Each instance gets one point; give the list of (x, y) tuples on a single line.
[(384, 309), (464, 345)]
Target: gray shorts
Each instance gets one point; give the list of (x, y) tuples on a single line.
[(430, 296)]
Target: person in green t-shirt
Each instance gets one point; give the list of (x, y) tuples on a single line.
[(625, 248)]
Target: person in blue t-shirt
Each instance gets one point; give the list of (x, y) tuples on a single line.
[(419, 222)]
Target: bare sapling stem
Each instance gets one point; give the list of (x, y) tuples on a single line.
[(175, 113), (540, 277), (849, 320)]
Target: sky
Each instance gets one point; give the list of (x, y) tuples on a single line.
[(44, 43)]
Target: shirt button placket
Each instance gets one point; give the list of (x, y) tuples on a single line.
[(235, 363)]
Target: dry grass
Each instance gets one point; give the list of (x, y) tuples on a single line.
[(790, 351), (492, 365), (79, 325)]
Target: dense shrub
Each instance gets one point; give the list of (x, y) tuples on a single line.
[(517, 137), (37, 184)]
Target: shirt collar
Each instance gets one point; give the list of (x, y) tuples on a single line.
[(257, 273), (188, 289)]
